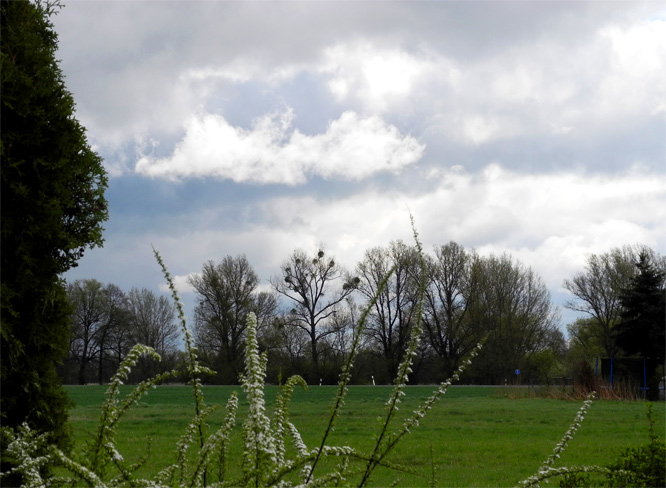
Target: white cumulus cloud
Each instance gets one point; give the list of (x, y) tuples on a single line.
[(378, 77), (181, 282), (272, 151)]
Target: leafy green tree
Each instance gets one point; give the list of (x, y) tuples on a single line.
[(584, 339), (514, 308), (596, 291), (52, 209), (584, 344)]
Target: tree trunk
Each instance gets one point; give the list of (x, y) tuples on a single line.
[(315, 358), (82, 371), (100, 371)]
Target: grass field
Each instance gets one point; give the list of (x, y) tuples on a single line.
[(475, 436)]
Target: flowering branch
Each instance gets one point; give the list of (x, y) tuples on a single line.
[(111, 413), (259, 446), (547, 471), (345, 374), (193, 367), (578, 420), (405, 367)]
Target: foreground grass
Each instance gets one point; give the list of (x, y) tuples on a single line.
[(473, 437)]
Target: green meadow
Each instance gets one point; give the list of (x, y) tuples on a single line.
[(474, 436)]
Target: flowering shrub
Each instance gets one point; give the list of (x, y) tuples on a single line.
[(641, 466)]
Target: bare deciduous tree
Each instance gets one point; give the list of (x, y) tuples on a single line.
[(314, 286), (226, 293), (451, 291), (393, 311), (99, 328), (597, 290), (152, 322), (89, 321)]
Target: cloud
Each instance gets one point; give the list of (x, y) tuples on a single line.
[(469, 75), (376, 76), (534, 205), (181, 282), (549, 221), (352, 148), (637, 70), (570, 92)]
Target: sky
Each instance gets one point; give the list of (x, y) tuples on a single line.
[(532, 128)]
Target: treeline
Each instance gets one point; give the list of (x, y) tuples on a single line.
[(309, 314)]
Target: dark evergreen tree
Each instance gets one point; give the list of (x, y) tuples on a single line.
[(52, 208), (641, 331)]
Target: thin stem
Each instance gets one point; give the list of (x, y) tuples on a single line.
[(345, 375), (193, 367), (405, 366)]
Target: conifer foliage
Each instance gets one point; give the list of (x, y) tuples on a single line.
[(52, 208), (641, 330)]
